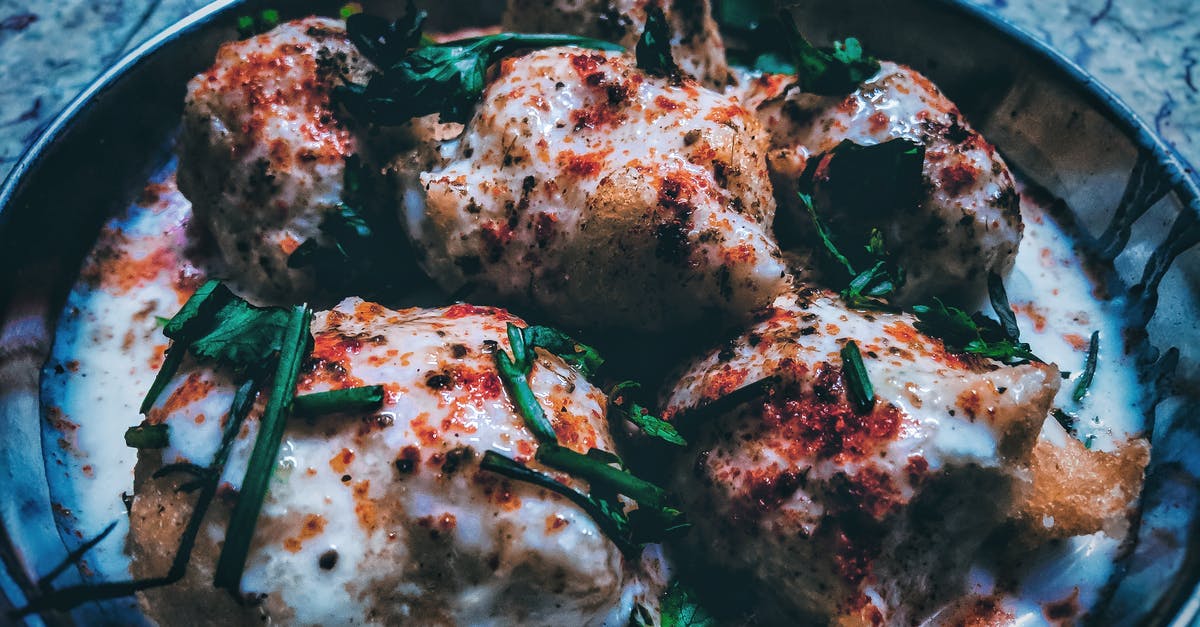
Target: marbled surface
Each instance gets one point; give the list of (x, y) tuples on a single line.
[(1146, 51)]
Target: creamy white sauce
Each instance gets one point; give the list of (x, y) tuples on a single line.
[(96, 380), (103, 378)]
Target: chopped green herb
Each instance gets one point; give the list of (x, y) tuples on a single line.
[(443, 78), (1089, 368), (514, 373), (208, 478), (858, 383), (654, 518), (635, 413), (679, 608), (358, 399), (73, 558), (147, 436), (358, 251), (975, 335), (654, 46), (1004, 311), (1067, 421), (864, 181), (243, 336), (251, 25), (833, 71), (194, 319), (609, 517), (607, 457), (824, 234), (295, 343), (580, 356), (385, 43), (716, 407), (514, 370)]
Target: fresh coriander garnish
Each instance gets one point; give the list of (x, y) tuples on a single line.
[(650, 425), (195, 317), (749, 392), (974, 335), (147, 436), (655, 516), (608, 515), (514, 370), (365, 398), (1089, 368), (858, 383), (251, 25), (1004, 311), (862, 181), (650, 522), (385, 43), (579, 356), (679, 608), (833, 71), (446, 78), (256, 344), (363, 249), (294, 346), (654, 46), (1067, 421)]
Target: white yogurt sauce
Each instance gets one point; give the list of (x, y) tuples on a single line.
[(107, 339)]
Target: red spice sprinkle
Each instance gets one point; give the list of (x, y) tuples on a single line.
[(822, 423), (958, 177)]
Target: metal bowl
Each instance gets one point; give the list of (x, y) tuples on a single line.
[(1135, 203)]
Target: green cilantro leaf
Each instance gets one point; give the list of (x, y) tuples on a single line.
[(974, 335), (385, 43), (654, 46), (833, 71), (650, 425), (580, 356), (679, 608), (443, 78)]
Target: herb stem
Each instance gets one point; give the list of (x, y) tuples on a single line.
[(516, 381), (858, 383), (1089, 368), (612, 522), (338, 401), (73, 557), (601, 475), (263, 458)]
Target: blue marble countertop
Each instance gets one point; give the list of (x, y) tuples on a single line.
[(1146, 51)]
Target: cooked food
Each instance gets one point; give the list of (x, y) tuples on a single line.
[(384, 516), (841, 510), (863, 451), (262, 154), (695, 39), (604, 195), (966, 221), (1071, 490)]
